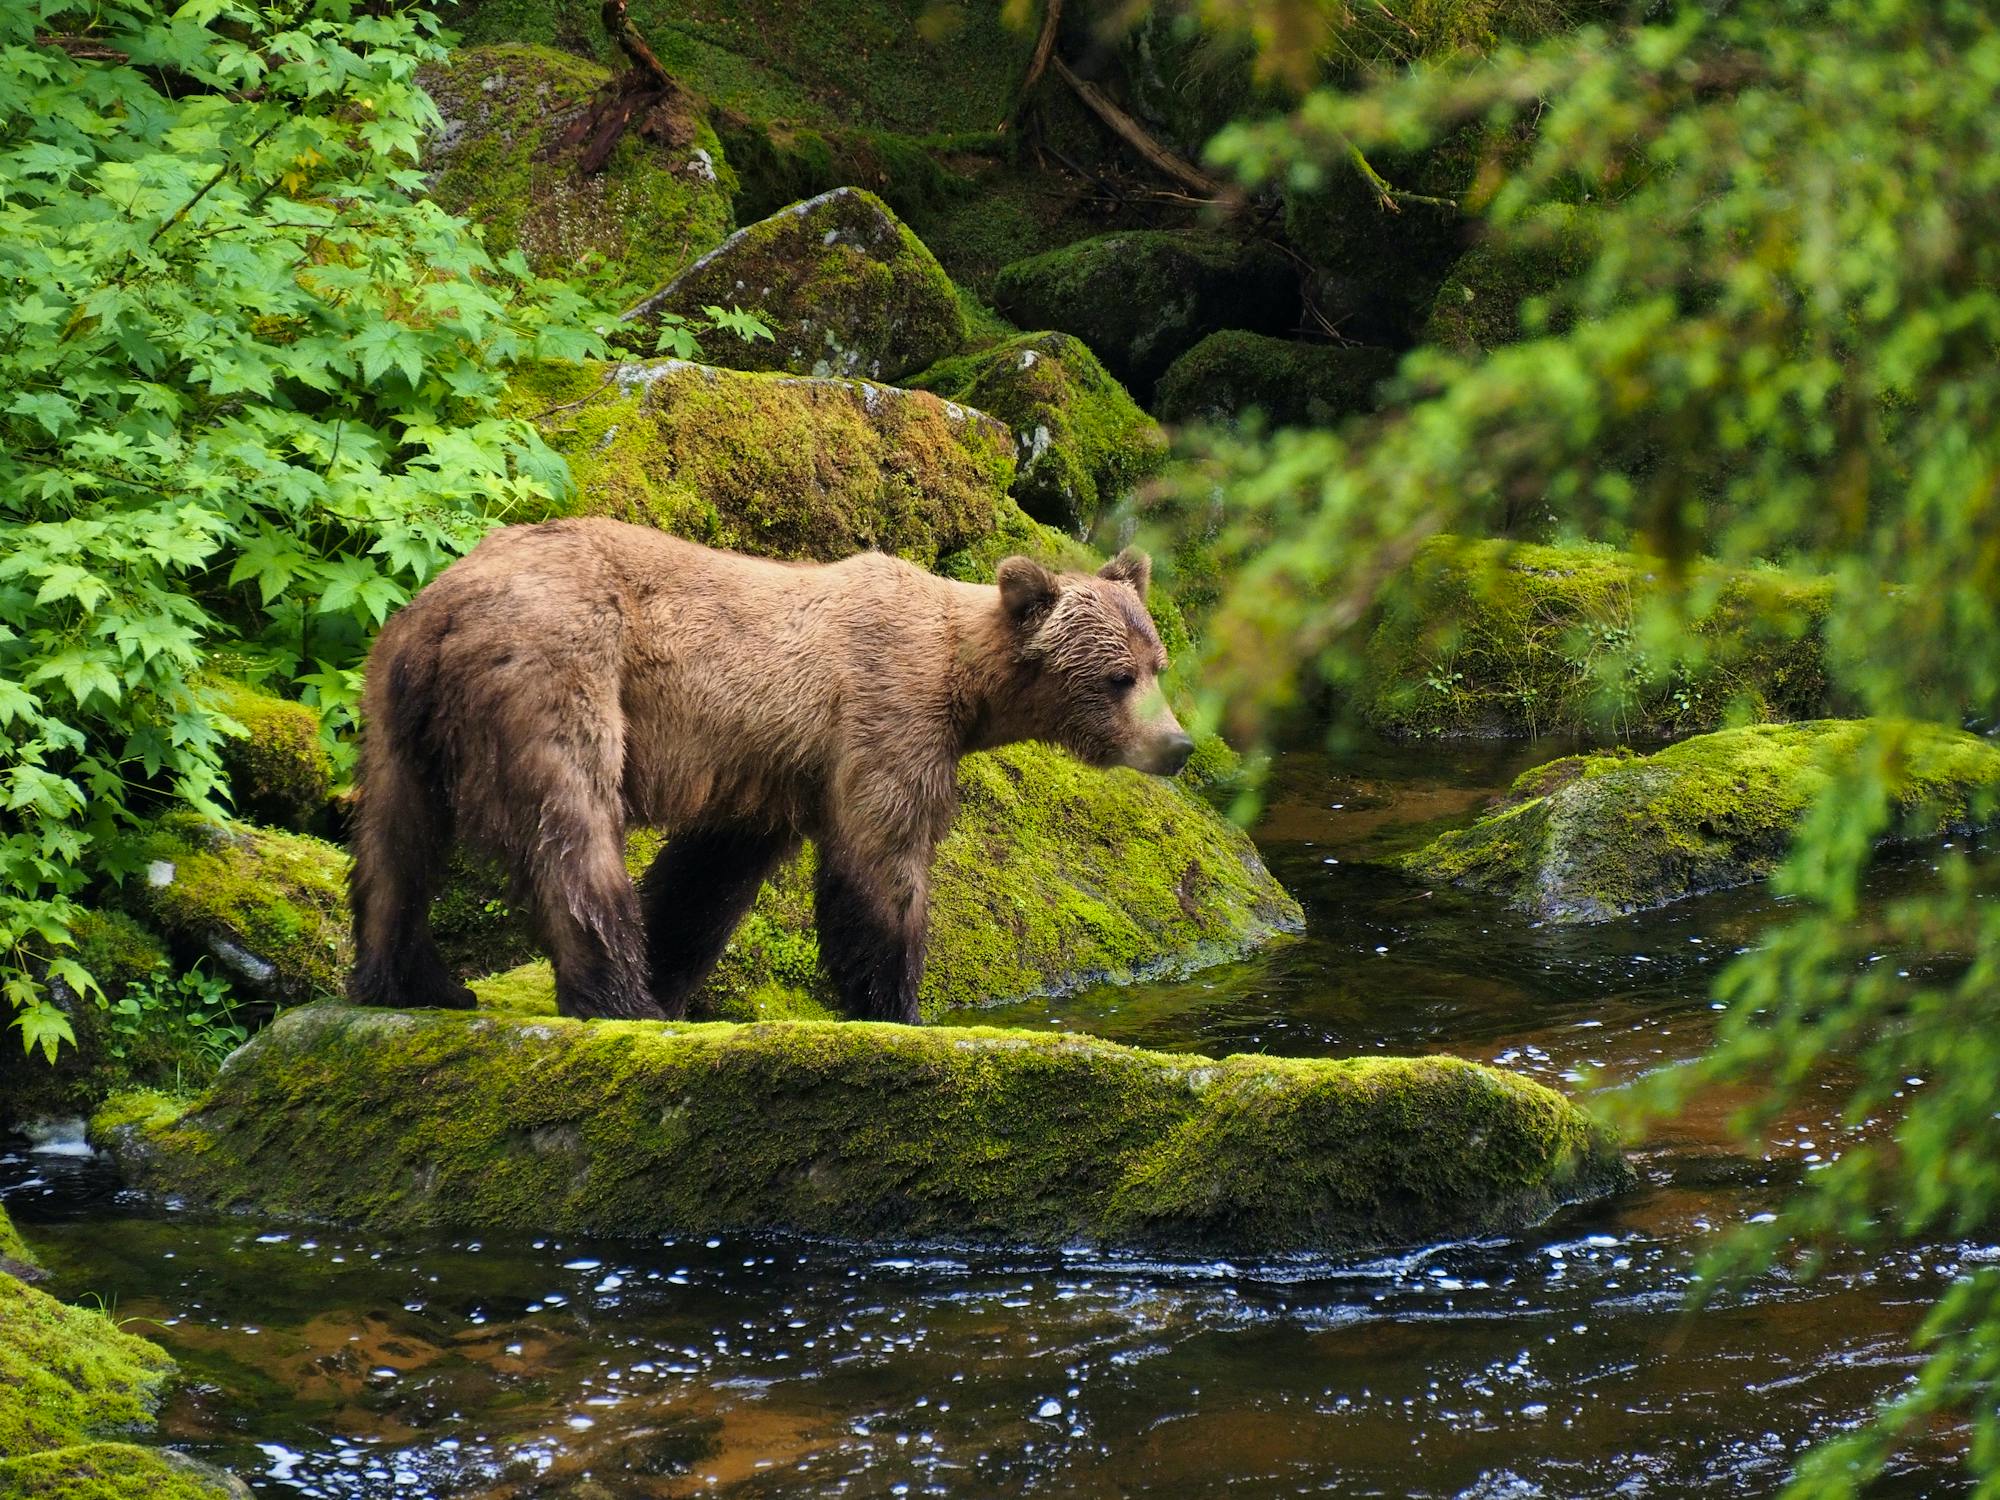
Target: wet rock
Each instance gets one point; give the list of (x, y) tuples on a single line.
[(1591, 837), (843, 284), (872, 1131), (780, 466), (662, 198), (1080, 442), (1292, 383), (1142, 298)]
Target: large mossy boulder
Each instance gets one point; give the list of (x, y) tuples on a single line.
[(399, 1121), (1292, 383), (1081, 443), (1489, 297), (102, 1059), (778, 465), (500, 158), (269, 907), (842, 283), (1591, 837), (72, 1384), (1142, 298), (1483, 637), (279, 771)]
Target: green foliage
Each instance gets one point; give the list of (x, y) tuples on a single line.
[(191, 1013), (250, 385), (1779, 348)]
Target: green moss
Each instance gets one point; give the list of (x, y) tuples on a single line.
[(269, 907), (529, 989), (279, 772), (1292, 384), (111, 1471), (67, 1373), (1490, 296), (119, 953), (777, 164), (776, 465), (12, 1250), (1081, 443), (1142, 298), (842, 283), (1591, 837), (1493, 637), (866, 1130), (661, 200)]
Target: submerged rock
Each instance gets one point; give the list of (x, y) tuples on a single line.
[(1081, 443), (843, 285), (777, 465), (1502, 638), (662, 198), (461, 1121), (1142, 298), (1590, 837), (1294, 384)]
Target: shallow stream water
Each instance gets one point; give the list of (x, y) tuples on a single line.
[(1560, 1363)]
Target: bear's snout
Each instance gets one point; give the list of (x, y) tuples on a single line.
[(1163, 756)]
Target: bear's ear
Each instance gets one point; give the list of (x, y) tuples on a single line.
[(1027, 588), (1130, 566)]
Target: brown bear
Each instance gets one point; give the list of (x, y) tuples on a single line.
[(566, 680)]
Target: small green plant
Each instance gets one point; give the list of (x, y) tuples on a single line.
[(192, 1015), (679, 335)]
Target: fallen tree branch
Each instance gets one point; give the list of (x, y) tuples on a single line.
[(1134, 135), (646, 92), (1038, 63)]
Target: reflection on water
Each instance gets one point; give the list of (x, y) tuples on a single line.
[(323, 1363)]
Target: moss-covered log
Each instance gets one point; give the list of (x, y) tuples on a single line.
[(1498, 638), (1081, 442), (1292, 383), (842, 283), (1141, 299), (662, 199), (1590, 837), (776, 465), (856, 1129)]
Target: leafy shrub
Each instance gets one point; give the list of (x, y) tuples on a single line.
[(248, 383)]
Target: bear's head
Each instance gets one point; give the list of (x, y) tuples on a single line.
[(1089, 663)]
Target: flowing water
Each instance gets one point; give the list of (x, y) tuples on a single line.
[(324, 1362)]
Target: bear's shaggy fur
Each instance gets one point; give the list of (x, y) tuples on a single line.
[(564, 681)]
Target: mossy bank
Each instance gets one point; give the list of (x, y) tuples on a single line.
[(1590, 837), (396, 1120)]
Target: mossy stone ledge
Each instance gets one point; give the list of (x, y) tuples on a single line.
[(662, 198), (1292, 383), (1591, 837), (842, 283), (397, 1120), (1142, 298), (1493, 637), (1081, 442), (796, 467)]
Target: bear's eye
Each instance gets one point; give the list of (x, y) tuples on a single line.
[(1121, 682)]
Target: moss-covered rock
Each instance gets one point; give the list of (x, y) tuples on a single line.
[(1142, 298), (1294, 384), (1081, 442), (842, 283), (279, 772), (1495, 638), (858, 1129), (269, 907), (115, 1471), (1492, 286), (1591, 837), (15, 1257), (782, 162), (662, 199), (777, 465), (119, 953)]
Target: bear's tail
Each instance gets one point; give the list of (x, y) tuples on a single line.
[(402, 833)]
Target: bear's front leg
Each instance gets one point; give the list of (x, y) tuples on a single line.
[(872, 925)]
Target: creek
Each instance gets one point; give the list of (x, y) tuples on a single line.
[(1563, 1363)]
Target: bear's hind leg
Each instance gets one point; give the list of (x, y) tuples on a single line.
[(694, 897), (589, 916)]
